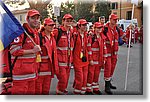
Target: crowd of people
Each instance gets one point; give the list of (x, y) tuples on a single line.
[(30, 62)]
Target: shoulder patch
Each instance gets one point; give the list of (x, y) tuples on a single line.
[(16, 40)]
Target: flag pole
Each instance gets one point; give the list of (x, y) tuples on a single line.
[(128, 55), (30, 38)]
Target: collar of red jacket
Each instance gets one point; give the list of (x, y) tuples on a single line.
[(29, 30), (43, 34), (107, 25)]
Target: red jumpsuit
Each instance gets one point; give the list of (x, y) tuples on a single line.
[(48, 66), (26, 68), (136, 33), (99, 52), (80, 68), (4, 64), (65, 58), (128, 35), (112, 52)]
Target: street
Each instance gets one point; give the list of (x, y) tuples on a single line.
[(135, 73)]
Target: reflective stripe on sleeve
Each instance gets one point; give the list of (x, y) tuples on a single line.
[(15, 49)]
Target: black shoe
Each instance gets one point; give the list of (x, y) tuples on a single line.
[(97, 92), (130, 46), (107, 88), (109, 92), (88, 93), (112, 87)]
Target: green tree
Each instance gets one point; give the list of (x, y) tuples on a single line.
[(84, 10), (102, 9), (41, 6), (66, 8)]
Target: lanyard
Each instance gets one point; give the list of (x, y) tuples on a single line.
[(68, 38)]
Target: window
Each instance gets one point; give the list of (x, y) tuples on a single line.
[(115, 5), (115, 13), (20, 17), (129, 14)]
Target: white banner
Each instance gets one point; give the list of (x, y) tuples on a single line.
[(134, 2), (56, 11)]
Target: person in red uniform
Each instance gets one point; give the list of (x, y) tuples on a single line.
[(80, 58), (128, 34), (65, 46), (99, 52), (49, 64), (136, 33), (6, 86), (112, 52), (26, 68), (4, 63)]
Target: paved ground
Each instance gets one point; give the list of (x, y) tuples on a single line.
[(135, 73)]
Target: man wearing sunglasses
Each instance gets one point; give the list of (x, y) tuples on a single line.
[(49, 64)]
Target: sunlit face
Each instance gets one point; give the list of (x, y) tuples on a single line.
[(68, 22), (102, 20), (49, 27), (113, 21), (83, 27), (98, 29), (33, 21)]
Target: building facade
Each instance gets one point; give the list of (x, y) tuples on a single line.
[(20, 15), (124, 10)]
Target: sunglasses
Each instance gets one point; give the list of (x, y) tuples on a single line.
[(84, 24), (68, 20), (51, 25)]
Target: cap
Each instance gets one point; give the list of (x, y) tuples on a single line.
[(113, 16), (82, 21), (48, 21), (32, 13), (98, 25), (67, 16)]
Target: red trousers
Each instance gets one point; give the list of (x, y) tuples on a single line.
[(80, 80), (110, 67), (63, 78), (23, 87), (42, 86), (93, 77)]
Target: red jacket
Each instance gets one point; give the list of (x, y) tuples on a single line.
[(99, 49), (49, 64), (4, 61), (112, 41), (77, 61), (64, 49), (26, 67)]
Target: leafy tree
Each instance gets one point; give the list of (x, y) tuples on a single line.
[(41, 6), (66, 8), (84, 10), (102, 9)]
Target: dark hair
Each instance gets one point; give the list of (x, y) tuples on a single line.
[(102, 17)]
